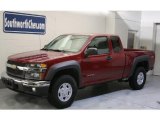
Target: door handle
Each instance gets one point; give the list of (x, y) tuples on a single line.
[(109, 58)]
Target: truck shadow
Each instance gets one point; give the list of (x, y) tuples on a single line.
[(23, 101), (101, 89)]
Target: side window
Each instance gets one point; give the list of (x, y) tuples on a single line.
[(116, 44), (101, 43)]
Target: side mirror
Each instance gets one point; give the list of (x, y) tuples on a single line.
[(91, 51)]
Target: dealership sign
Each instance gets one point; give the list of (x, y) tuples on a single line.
[(14, 22)]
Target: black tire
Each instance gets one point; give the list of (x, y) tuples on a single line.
[(55, 98), (133, 81)]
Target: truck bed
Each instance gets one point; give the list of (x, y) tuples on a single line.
[(138, 52), (132, 54)]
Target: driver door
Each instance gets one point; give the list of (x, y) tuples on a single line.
[(97, 68)]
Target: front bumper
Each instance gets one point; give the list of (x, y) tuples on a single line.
[(38, 88)]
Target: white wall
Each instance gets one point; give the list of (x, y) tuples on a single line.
[(147, 28), (128, 20), (110, 23), (57, 23)]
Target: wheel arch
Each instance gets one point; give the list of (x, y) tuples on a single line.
[(141, 61), (68, 68)]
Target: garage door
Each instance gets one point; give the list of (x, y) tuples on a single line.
[(156, 70)]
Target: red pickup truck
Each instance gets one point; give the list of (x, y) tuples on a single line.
[(72, 61)]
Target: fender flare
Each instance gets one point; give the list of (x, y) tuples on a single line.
[(63, 66), (136, 61)]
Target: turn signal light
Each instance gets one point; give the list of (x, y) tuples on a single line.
[(43, 65)]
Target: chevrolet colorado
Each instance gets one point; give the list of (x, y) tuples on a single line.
[(72, 61)]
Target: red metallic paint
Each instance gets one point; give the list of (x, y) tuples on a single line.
[(94, 69)]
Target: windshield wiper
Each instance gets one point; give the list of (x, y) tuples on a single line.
[(44, 49), (57, 50)]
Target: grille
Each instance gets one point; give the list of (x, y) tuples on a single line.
[(16, 72)]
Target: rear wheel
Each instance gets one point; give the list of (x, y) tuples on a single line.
[(138, 79), (63, 91)]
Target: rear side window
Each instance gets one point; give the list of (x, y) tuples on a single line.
[(116, 44), (101, 43)]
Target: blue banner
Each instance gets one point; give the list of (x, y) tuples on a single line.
[(14, 22)]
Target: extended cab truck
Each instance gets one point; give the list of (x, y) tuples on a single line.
[(74, 61)]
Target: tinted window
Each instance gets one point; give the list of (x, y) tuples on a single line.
[(116, 44), (101, 43)]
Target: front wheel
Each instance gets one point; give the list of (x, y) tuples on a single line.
[(138, 79), (63, 91)]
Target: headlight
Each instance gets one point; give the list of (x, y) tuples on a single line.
[(35, 71)]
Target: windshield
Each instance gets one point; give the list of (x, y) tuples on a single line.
[(68, 43)]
